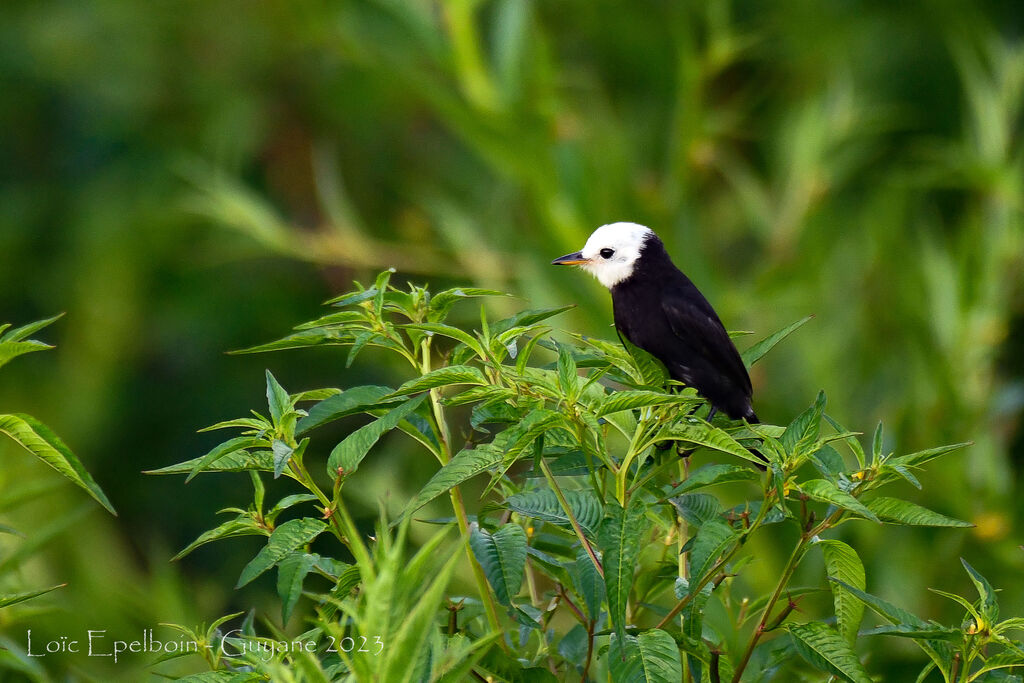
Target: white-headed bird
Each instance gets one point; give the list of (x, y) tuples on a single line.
[(659, 309)]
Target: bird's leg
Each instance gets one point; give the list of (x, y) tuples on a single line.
[(711, 414)]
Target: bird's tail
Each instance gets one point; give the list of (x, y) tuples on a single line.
[(752, 418)]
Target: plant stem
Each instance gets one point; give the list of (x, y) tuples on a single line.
[(458, 506), (787, 573), (765, 506), (572, 518)]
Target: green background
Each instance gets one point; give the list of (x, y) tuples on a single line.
[(185, 178)]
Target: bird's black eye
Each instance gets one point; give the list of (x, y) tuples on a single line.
[(607, 253)]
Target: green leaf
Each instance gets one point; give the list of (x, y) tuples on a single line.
[(651, 657), (350, 452), (442, 302), (939, 652), (10, 350), (465, 465), (352, 298), (452, 332), (896, 615), (639, 398), (239, 443), (827, 651), (282, 454), (407, 645), (503, 558), (291, 572), (525, 432), (568, 377), (588, 583), (38, 439), (300, 340), (239, 461), (758, 350), (20, 333), (898, 511), (843, 563), (710, 475), (442, 377), (876, 444), (805, 428), (933, 632), (921, 457), (700, 433), (827, 492), (647, 366), (527, 318), (850, 439), (240, 526), (697, 508), (285, 503), (713, 538), (349, 402), (621, 537), (989, 605), (7, 599), (284, 539), (544, 505), (277, 398)]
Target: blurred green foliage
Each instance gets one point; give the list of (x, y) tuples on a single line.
[(858, 161)]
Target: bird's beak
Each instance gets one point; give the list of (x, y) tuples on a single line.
[(573, 259)]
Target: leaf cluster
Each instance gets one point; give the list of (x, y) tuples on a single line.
[(600, 536)]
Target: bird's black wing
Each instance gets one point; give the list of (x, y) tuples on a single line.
[(695, 323)]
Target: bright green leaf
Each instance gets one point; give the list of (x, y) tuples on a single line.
[(503, 558), (38, 439), (284, 539), (843, 563)]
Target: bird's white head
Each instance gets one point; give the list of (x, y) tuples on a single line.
[(611, 252)]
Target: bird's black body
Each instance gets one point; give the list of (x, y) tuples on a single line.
[(659, 309)]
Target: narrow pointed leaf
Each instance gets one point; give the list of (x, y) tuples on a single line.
[(713, 539), (451, 332), (623, 533), (758, 350), (843, 563), (38, 439), (639, 398), (897, 511), (349, 402), (291, 572), (350, 452), (239, 443), (700, 433), (544, 505), (352, 298), (827, 651), (710, 475), (241, 526), (284, 539), (806, 427), (9, 350), (442, 377), (827, 492), (465, 465), (7, 599), (921, 457), (989, 606), (650, 657), (20, 333), (277, 398), (238, 461), (503, 558), (588, 582)]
